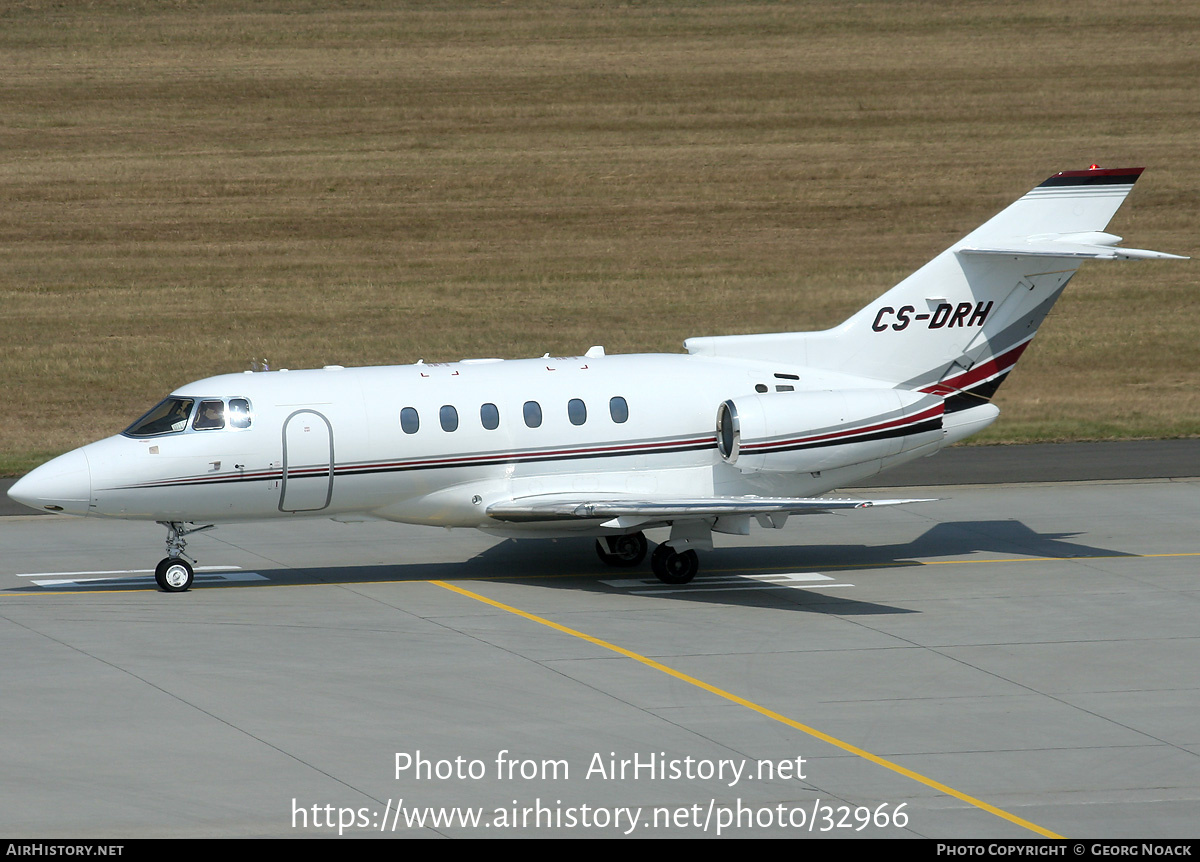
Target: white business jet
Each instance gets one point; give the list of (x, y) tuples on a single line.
[(741, 429)]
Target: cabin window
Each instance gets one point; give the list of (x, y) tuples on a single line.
[(409, 420), (489, 415), (576, 411), (618, 409), (167, 417), (533, 414), (239, 413), (449, 418), (210, 416), (760, 387)]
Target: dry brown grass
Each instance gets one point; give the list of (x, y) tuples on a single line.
[(187, 186)]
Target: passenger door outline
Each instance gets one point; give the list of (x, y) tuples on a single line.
[(306, 460)]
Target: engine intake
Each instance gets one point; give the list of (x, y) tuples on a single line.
[(791, 432)]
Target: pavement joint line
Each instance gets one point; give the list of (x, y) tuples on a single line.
[(768, 713)]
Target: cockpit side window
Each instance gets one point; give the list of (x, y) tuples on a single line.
[(167, 417), (210, 416), (239, 413)]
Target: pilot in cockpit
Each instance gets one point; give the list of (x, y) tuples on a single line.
[(210, 415), (178, 417)]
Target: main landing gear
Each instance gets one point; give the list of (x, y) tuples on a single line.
[(174, 574), (622, 551), (668, 565), (672, 567)]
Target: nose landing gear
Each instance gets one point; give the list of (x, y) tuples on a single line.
[(174, 574)]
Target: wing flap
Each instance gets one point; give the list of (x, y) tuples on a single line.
[(559, 508)]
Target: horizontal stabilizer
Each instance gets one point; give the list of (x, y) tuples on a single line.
[(559, 508), (1094, 245)]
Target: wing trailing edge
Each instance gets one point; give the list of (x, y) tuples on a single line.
[(624, 511)]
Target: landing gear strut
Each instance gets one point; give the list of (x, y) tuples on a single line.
[(622, 551), (672, 567), (174, 574)]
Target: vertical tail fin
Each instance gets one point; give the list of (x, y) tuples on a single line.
[(957, 326)]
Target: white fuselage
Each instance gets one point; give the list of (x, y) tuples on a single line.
[(330, 442)]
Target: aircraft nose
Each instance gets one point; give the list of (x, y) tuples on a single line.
[(61, 485)]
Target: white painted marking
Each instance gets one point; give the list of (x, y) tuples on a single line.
[(781, 578), (211, 577), (120, 572), (701, 588), (728, 583)]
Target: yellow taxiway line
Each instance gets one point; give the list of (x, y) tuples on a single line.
[(761, 710)]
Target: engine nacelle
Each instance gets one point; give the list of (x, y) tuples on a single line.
[(793, 432)]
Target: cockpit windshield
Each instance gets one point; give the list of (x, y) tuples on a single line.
[(169, 416)]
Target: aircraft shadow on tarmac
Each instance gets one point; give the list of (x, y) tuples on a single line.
[(743, 575), (732, 575), (746, 575)]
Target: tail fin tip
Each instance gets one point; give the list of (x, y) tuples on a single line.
[(1094, 176)]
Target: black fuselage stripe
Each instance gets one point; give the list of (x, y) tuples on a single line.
[(903, 431), (973, 396)]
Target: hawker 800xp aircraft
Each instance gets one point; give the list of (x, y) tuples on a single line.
[(742, 429)]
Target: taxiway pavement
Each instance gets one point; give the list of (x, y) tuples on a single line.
[(1007, 662)]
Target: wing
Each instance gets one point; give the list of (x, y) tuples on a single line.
[(629, 512)]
